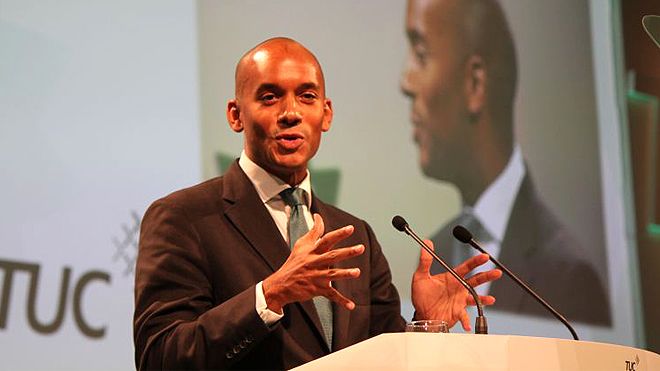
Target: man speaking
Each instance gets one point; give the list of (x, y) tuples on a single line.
[(250, 270)]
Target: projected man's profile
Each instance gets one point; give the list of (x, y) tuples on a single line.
[(461, 78)]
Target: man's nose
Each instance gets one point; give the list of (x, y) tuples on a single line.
[(290, 114), (406, 81)]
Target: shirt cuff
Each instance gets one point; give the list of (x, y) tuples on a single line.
[(268, 316)]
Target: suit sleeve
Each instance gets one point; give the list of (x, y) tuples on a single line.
[(177, 323), (385, 304)]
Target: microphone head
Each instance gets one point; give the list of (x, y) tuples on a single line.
[(399, 223), (462, 234)]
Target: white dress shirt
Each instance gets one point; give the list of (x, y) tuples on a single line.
[(493, 209), (268, 188)]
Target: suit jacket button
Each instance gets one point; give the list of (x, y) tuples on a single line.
[(229, 355), (237, 349)]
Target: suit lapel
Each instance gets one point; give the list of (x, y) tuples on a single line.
[(247, 213), (517, 248)]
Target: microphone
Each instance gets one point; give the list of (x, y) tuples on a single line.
[(480, 325), (462, 234)]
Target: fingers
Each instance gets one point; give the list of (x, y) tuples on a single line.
[(337, 255), (319, 242), (331, 238), (340, 299), (425, 259), (485, 300), (336, 274), (317, 229), (468, 265), (465, 321), (483, 277)]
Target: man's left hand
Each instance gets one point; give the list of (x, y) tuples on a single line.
[(442, 296)]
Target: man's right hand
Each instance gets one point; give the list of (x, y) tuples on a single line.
[(308, 270)]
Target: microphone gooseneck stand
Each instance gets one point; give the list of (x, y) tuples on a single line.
[(481, 325)]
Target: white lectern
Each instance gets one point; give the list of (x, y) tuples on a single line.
[(425, 351)]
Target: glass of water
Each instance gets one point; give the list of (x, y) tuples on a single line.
[(427, 325)]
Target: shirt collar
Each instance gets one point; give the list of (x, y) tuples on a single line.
[(269, 186), (494, 206)]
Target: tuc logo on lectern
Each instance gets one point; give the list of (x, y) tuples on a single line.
[(11, 268), (632, 365)]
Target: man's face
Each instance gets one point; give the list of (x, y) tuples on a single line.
[(283, 110), (433, 79)]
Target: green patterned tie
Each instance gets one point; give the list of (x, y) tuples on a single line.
[(294, 197)]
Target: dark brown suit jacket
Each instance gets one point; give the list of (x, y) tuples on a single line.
[(202, 251), (544, 254)]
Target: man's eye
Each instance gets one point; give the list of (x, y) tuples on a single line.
[(419, 52), (420, 56), (308, 97), (267, 98)]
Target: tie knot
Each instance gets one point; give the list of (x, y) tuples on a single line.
[(470, 221), (293, 196)]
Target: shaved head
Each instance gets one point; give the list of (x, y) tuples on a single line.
[(280, 107), (276, 47), (489, 36)]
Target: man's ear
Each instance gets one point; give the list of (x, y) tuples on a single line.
[(327, 115), (476, 79), (234, 116)]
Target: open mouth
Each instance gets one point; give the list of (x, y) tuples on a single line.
[(290, 141), (416, 135), (415, 121)]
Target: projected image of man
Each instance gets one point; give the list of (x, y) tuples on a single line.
[(461, 75)]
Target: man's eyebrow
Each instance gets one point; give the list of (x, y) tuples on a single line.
[(276, 88), (309, 86), (415, 36), (268, 87)]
